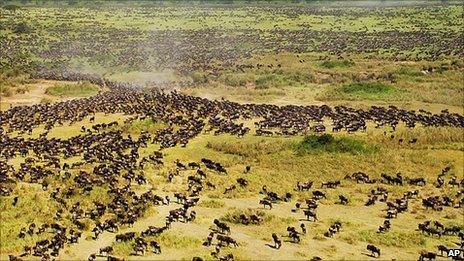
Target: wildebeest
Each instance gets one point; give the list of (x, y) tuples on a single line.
[(265, 203), (374, 250), (107, 250), (427, 255), (310, 214), (226, 239), (277, 241)]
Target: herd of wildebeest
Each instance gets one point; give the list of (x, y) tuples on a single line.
[(103, 156), (117, 165), (215, 48)]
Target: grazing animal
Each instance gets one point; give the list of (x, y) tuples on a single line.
[(442, 249), (265, 203), (222, 226), (277, 241), (15, 201), (343, 200), (319, 194), (427, 255), (374, 250), (310, 214), (108, 250), (226, 239), (156, 247)]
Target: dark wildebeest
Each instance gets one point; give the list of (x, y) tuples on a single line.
[(277, 241), (265, 203), (374, 250)]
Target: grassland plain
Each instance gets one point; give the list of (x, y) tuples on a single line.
[(355, 78)]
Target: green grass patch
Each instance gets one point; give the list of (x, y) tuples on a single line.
[(233, 216), (237, 79), (270, 80), (393, 238), (365, 91), (211, 203), (282, 78), (407, 71), (337, 63), (367, 88), (148, 125), (328, 143), (248, 146), (176, 241), (73, 90)]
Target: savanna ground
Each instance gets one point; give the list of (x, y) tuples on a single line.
[(357, 54)]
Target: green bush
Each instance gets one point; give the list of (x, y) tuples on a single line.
[(327, 143)]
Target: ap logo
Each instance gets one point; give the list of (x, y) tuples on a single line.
[(454, 252)]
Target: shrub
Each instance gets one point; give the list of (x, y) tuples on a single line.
[(328, 143)]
